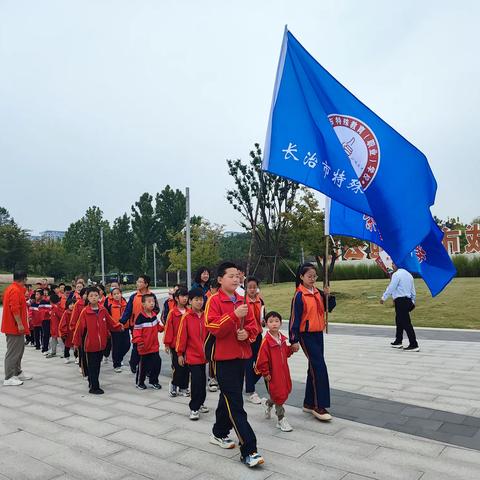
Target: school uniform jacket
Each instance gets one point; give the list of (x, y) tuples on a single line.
[(64, 330), (257, 307), (134, 307), (272, 360), (35, 313), (55, 317), (223, 324), (308, 312), (171, 327), (116, 308), (168, 306), (96, 325), (191, 337), (145, 333), (77, 310), (46, 308)]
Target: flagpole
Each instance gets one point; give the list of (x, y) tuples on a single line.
[(327, 240)]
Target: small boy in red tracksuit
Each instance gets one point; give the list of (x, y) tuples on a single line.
[(92, 330), (179, 372), (190, 341), (36, 316), (273, 366), (55, 317), (64, 331), (227, 318), (116, 306), (145, 337)]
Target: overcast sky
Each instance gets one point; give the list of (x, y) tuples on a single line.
[(102, 100)]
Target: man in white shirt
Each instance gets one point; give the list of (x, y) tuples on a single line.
[(402, 290)]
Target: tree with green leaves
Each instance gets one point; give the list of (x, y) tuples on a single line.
[(14, 243), (262, 199), (82, 238), (205, 246), (122, 243)]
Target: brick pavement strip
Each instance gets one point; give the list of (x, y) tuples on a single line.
[(50, 428)]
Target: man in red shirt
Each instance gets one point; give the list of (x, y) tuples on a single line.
[(15, 326)]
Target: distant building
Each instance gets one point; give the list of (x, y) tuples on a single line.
[(232, 234), (52, 234)]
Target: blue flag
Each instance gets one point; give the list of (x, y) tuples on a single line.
[(429, 259), (322, 136)]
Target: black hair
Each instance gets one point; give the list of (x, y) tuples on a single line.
[(54, 298), (53, 287), (198, 275), (61, 283), (223, 267), (92, 289), (195, 293), (146, 278), (83, 291), (273, 314), (68, 288), (214, 283), (19, 276), (120, 290), (38, 290), (70, 301), (102, 288), (147, 295), (182, 290), (253, 279), (302, 270), (177, 285)]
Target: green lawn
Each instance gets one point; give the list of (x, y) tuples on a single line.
[(458, 306)]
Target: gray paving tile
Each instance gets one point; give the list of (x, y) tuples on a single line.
[(458, 429)]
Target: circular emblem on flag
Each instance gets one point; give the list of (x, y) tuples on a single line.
[(360, 144)]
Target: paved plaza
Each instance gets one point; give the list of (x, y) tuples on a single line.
[(397, 415)]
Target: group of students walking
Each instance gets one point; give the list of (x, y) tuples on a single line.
[(215, 322)]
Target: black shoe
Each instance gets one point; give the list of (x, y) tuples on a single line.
[(133, 369), (156, 386), (141, 386), (411, 348), (396, 344), (97, 391)]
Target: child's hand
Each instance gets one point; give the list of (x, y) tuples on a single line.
[(242, 334), (181, 360), (295, 347), (267, 377), (241, 311)]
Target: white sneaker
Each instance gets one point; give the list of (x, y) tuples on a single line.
[(105, 360), (184, 392), (67, 361), (118, 370), (268, 410), (12, 382), (204, 409), (284, 426), (254, 398), (22, 377), (226, 442), (44, 354), (76, 361), (172, 390), (194, 415), (212, 385)]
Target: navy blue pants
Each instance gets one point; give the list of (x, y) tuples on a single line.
[(317, 391), (45, 335), (230, 412), (120, 347), (251, 378)]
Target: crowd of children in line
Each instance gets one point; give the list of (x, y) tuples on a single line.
[(217, 323)]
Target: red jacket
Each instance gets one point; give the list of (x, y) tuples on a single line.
[(223, 324), (64, 330), (55, 317), (35, 314), (77, 310), (145, 333), (256, 308), (171, 327), (14, 303), (96, 325), (272, 360), (191, 337)]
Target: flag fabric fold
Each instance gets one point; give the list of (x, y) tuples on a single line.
[(322, 136)]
